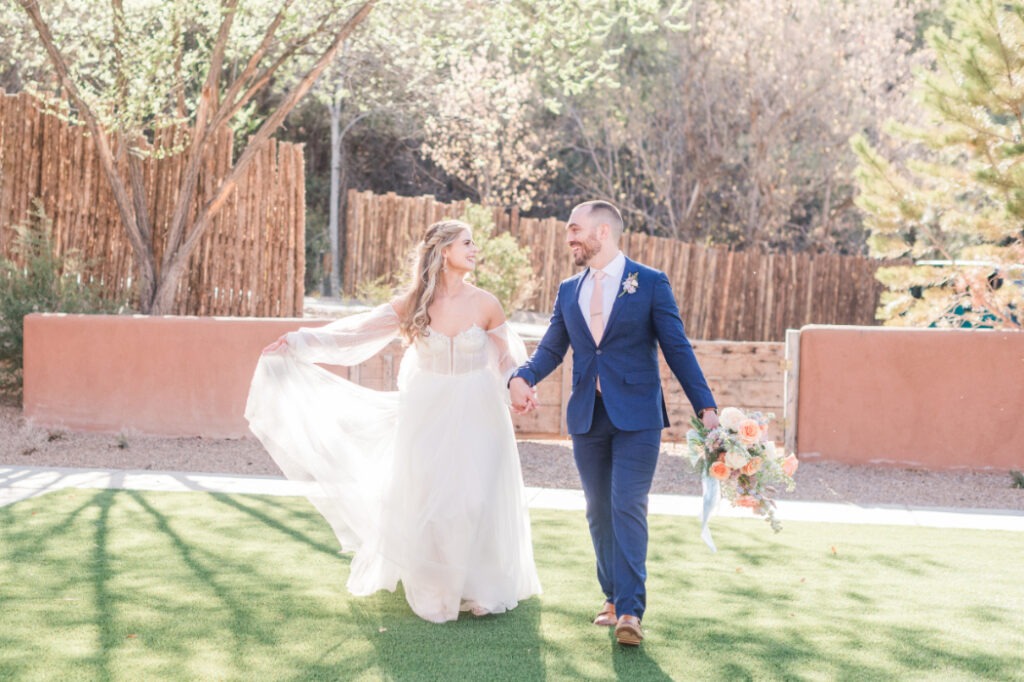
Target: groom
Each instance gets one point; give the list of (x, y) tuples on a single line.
[(615, 314)]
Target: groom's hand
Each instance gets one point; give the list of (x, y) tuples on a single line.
[(710, 419), (524, 396)]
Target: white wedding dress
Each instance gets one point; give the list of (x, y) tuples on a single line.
[(423, 484)]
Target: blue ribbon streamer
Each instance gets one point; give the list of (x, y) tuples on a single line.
[(711, 495)]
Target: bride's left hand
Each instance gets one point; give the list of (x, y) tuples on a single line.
[(280, 344)]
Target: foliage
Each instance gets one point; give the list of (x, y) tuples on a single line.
[(36, 280), (735, 131), (127, 69), (956, 210), (482, 133), (1016, 478), (503, 267), (317, 242), (377, 291)]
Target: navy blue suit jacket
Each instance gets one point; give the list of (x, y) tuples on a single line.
[(627, 356)]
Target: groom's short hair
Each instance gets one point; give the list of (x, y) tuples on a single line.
[(607, 213)]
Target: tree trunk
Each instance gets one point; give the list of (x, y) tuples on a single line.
[(333, 282)]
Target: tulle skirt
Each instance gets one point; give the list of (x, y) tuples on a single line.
[(423, 485)]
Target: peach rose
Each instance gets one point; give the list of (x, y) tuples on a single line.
[(752, 467), (746, 501), (789, 465), (719, 470), (749, 431)]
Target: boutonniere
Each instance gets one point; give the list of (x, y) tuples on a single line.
[(629, 285)]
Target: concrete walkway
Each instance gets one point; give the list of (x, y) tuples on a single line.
[(20, 483)]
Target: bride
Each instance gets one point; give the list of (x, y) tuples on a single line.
[(422, 484)]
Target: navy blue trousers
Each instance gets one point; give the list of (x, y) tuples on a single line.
[(616, 469)]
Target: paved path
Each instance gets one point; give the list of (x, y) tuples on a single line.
[(19, 483)]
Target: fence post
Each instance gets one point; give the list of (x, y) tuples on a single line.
[(790, 387)]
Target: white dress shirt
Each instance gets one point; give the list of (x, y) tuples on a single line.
[(609, 287)]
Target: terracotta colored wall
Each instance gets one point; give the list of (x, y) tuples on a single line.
[(934, 398), (159, 375), (190, 375)]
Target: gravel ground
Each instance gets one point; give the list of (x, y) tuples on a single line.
[(545, 464)]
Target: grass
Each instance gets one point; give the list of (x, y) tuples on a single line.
[(120, 585)]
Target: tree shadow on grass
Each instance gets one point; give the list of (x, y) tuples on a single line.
[(101, 575), (402, 646), (245, 622), (270, 522), (838, 646)]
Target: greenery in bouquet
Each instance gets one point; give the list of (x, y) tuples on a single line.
[(738, 454)]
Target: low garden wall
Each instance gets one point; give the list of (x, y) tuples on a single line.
[(189, 376), (929, 398)]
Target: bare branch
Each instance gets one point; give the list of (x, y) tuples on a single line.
[(250, 68), (200, 136), (142, 249), (180, 256)]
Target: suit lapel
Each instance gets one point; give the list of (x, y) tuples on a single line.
[(576, 312), (619, 301)]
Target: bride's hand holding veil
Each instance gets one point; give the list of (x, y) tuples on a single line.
[(280, 344)]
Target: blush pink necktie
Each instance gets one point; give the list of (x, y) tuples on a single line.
[(597, 307), (597, 315)]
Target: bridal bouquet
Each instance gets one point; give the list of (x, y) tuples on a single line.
[(737, 462)]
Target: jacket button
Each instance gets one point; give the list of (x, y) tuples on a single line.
[(599, 352)]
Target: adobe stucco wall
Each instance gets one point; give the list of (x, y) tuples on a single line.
[(190, 376), (935, 398), (159, 375)]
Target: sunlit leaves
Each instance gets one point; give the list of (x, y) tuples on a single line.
[(961, 206)]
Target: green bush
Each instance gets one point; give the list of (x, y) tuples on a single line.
[(1016, 479), (380, 290), (35, 280), (502, 266)]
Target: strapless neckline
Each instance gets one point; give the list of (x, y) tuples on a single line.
[(452, 338)]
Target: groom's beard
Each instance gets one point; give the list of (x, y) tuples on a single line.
[(587, 250)]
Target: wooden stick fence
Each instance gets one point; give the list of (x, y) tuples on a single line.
[(722, 294), (250, 262)]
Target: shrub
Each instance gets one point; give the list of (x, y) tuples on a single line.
[(1016, 479), (377, 291), (33, 280), (502, 266)]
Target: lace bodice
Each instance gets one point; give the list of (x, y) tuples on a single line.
[(465, 352)]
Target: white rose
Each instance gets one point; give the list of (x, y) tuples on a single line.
[(731, 418), (734, 460), (769, 450)]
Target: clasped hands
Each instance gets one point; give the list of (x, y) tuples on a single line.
[(524, 396)]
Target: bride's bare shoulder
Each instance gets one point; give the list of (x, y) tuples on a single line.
[(489, 307)]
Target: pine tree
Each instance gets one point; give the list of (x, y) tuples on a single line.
[(957, 208)]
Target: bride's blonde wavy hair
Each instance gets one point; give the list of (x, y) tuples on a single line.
[(427, 266)]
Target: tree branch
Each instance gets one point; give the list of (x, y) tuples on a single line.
[(249, 70), (180, 256), (142, 249), (200, 136)]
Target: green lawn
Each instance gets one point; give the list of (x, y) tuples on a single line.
[(141, 586)]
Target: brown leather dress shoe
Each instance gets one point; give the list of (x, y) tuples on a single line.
[(628, 631), (607, 615)]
